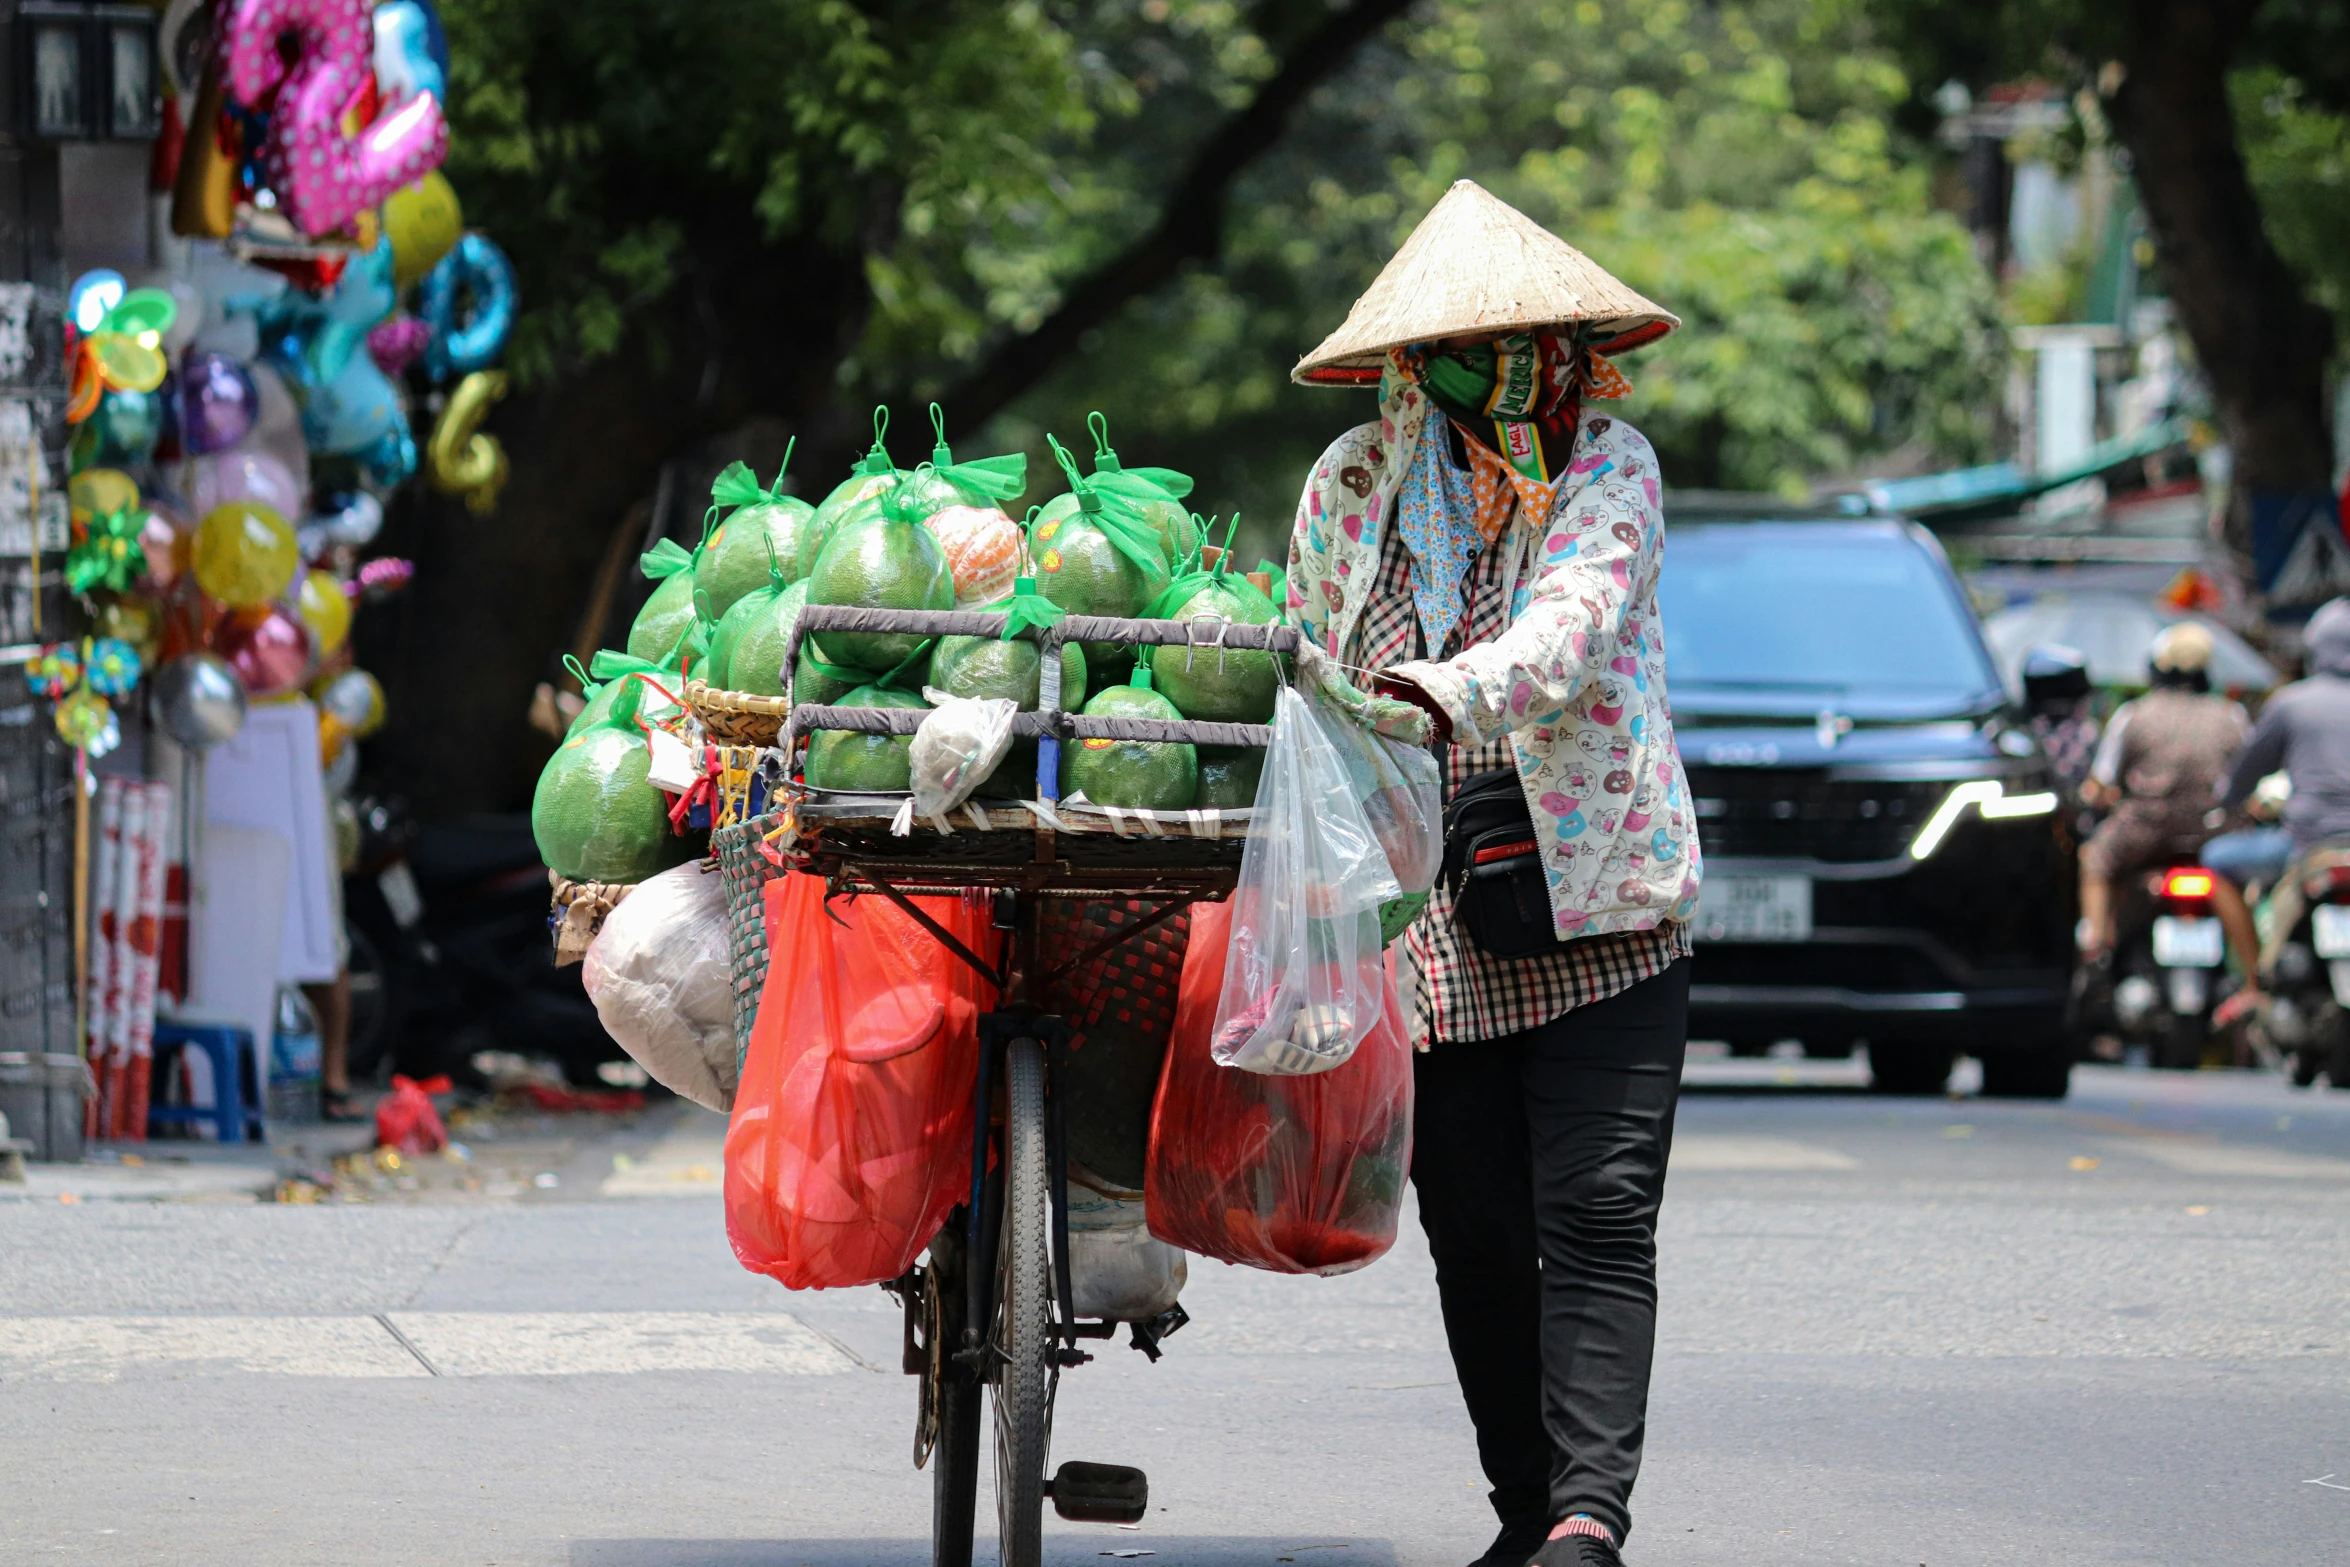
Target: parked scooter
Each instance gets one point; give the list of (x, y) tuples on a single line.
[(450, 952), (2169, 964), (2308, 1016)]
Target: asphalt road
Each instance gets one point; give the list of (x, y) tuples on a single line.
[(2112, 1331)]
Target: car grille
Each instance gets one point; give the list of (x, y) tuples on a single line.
[(1795, 813)]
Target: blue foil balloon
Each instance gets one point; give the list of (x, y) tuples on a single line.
[(411, 53), (478, 270)]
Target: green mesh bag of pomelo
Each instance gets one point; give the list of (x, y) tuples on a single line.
[(1012, 668), (1157, 493), (1095, 555), (964, 498), (763, 530), (1202, 677), (669, 626), (881, 559), (601, 681), (1151, 775), (596, 815)]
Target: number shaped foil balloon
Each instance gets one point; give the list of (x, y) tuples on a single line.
[(323, 178), (462, 458), (478, 269)]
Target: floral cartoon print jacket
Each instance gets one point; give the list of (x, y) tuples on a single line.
[(1577, 682)]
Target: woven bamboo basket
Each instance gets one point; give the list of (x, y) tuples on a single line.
[(580, 907), (736, 717), (746, 873)]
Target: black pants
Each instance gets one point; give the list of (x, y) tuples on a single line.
[(1540, 1162)]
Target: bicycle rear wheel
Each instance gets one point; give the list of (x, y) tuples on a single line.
[(1023, 1394), (954, 1415)]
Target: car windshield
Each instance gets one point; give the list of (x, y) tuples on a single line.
[(1785, 619)]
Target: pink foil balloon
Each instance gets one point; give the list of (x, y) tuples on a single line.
[(270, 651), (245, 476), (323, 178), (395, 341)]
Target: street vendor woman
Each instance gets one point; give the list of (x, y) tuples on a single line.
[(1489, 546)]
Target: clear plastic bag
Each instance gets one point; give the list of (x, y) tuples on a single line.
[(851, 1136), (1401, 790), (658, 974), (1292, 1174), (959, 744), (1303, 980)]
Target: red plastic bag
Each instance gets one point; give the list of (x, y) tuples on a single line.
[(851, 1134), (406, 1120), (1294, 1174)]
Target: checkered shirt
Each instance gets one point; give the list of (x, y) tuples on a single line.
[(1464, 993)]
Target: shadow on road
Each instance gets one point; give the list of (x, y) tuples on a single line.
[(1088, 1550)]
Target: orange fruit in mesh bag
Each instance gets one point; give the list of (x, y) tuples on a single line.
[(984, 551)]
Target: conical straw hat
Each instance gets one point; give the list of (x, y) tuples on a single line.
[(1477, 264)]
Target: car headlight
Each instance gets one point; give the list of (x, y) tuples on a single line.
[(1987, 796)]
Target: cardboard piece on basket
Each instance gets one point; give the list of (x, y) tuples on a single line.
[(674, 767)]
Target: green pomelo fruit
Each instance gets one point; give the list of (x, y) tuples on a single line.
[(865, 764), (1228, 777), (595, 816), (1178, 534), (734, 562), (851, 493), (990, 667), (879, 562), (811, 684), (1152, 775), (1078, 568), (1219, 685), (746, 651), (667, 616)]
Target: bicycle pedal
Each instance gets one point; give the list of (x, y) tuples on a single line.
[(1099, 1493)]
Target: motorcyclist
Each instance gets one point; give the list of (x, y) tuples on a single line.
[(2305, 732), (2157, 769)]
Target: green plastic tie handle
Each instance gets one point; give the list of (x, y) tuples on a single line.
[(877, 459), (1027, 608), (666, 559), (921, 651), (588, 684), (1141, 678), (1104, 459)]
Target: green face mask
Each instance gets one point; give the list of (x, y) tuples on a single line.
[(1499, 381), (1462, 378)]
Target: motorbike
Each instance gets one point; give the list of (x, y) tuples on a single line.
[(2308, 1016), (450, 953), (2168, 964)]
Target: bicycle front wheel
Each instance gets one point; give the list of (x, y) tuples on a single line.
[(1024, 1391)]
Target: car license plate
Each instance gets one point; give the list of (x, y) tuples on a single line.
[(2186, 943), (1754, 908), (2329, 925)]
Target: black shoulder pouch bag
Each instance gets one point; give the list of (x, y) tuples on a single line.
[(1493, 868)]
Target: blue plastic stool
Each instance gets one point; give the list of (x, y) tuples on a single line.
[(236, 1079)]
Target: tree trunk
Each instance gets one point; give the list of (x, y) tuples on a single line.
[(2262, 344)]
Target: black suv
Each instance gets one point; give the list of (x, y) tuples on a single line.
[(1885, 860)]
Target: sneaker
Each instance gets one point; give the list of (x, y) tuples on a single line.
[(1513, 1545), (1576, 1550)]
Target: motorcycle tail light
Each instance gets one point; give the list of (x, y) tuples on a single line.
[(2186, 882)]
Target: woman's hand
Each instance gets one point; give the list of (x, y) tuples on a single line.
[(1404, 690)]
